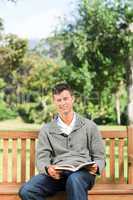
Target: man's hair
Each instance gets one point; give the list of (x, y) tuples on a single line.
[(60, 87)]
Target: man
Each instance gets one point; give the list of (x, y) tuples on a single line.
[(68, 139)]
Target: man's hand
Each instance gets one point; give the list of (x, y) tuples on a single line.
[(56, 174), (92, 168)]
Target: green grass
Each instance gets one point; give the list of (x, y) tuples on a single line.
[(113, 127), (18, 124)]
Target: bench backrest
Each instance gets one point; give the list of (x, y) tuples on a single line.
[(116, 170), (17, 156)]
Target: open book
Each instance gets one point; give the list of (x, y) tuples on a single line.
[(72, 167)]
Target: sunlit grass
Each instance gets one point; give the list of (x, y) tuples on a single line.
[(18, 124)]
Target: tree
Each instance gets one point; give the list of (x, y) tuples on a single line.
[(130, 77), (35, 104), (51, 47), (14, 1), (100, 41), (12, 51), (1, 28), (1, 24)]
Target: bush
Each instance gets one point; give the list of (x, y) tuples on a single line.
[(6, 112), (37, 112)]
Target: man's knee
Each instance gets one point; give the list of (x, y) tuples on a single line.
[(73, 179), (23, 192), (80, 180)]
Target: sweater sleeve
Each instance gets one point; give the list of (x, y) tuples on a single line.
[(43, 150), (97, 149)]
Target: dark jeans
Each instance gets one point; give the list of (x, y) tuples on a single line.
[(76, 185)]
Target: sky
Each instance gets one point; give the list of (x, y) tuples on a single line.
[(34, 18)]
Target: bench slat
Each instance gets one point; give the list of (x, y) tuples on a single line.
[(97, 189), (14, 160), (32, 157), (114, 134), (5, 161), (112, 159), (18, 134), (121, 161), (23, 160), (130, 154), (34, 134)]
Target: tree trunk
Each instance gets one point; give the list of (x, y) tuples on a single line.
[(117, 105), (130, 91)]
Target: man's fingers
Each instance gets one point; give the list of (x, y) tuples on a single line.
[(53, 172)]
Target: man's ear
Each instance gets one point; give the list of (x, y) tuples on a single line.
[(73, 99)]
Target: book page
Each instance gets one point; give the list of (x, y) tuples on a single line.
[(86, 164), (73, 168), (65, 167)]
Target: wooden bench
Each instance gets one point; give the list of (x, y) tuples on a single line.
[(17, 165)]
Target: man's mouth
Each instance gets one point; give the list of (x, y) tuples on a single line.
[(65, 113)]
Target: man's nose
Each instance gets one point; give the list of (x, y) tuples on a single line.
[(63, 101)]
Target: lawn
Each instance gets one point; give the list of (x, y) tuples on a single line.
[(18, 124)]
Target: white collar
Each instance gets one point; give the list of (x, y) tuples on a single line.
[(64, 127)]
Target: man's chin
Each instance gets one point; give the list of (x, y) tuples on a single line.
[(65, 113)]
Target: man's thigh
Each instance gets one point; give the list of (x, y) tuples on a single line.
[(82, 177), (44, 184)]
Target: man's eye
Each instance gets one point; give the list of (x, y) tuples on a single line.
[(59, 100)]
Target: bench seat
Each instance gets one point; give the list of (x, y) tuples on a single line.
[(102, 191)]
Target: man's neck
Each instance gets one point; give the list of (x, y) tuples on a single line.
[(67, 118)]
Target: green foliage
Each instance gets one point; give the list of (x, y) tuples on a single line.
[(79, 79), (25, 77), (99, 42), (90, 54), (12, 51), (50, 47), (6, 112), (1, 26), (18, 49), (2, 83), (37, 112), (34, 104)]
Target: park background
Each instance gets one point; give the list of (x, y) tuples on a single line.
[(92, 51)]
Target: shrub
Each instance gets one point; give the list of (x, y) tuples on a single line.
[(6, 112)]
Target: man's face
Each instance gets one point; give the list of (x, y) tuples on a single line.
[(64, 102)]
